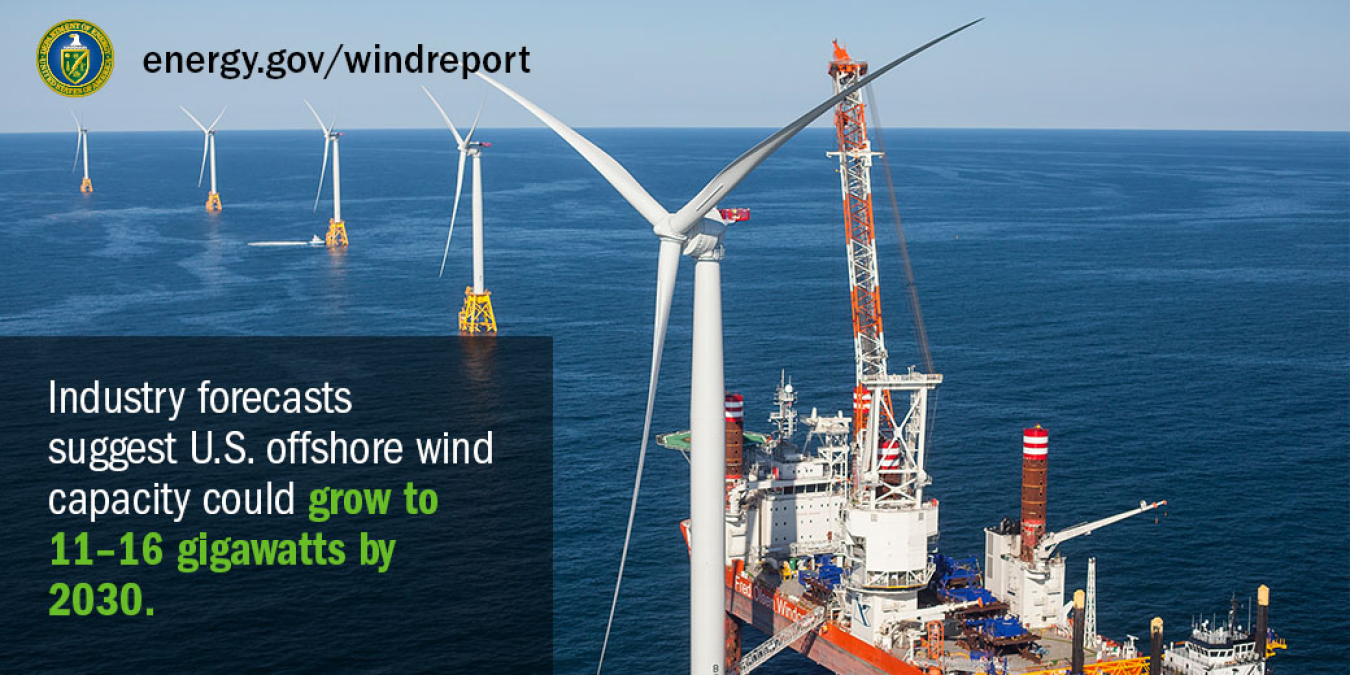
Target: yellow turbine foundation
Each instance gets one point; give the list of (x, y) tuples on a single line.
[(213, 201), (337, 234), (477, 316), (86, 186)]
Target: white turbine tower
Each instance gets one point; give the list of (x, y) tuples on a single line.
[(696, 229), (476, 316), (337, 229), (208, 147), (82, 143)]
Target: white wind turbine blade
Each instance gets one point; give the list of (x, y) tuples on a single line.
[(322, 171), (469, 136), (613, 172), (217, 120), (667, 266), (206, 143), (459, 142), (459, 185), (193, 118), (79, 138), (734, 173), (317, 119), (666, 273)]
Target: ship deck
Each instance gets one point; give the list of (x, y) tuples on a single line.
[(771, 604), (1058, 652)]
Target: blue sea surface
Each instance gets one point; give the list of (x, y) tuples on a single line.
[(1173, 306)]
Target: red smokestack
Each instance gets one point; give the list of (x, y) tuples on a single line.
[(735, 412), (1035, 441)]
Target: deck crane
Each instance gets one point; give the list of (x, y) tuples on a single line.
[(886, 460), (889, 460), (1050, 541), (1020, 561), (1035, 585)]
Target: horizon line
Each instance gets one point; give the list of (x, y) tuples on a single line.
[(739, 127)]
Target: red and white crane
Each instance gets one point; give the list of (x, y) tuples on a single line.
[(890, 457)]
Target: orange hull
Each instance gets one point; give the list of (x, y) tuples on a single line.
[(830, 646)]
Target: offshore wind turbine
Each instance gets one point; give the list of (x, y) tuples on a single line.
[(337, 229), (476, 316), (208, 147), (82, 143), (696, 230)]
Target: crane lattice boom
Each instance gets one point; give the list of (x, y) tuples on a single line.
[(890, 445)]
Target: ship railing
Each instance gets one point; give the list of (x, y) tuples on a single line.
[(898, 580), (1136, 666), (799, 548), (906, 381)]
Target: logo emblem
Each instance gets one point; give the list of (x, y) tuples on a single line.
[(75, 58)]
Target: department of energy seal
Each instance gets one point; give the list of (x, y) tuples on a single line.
[(75, 58)]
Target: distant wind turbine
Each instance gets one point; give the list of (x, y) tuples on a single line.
[(208, 147), (477, 315), (337, 230), (82, 143)]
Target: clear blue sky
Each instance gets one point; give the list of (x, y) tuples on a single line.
[(1152, 64)]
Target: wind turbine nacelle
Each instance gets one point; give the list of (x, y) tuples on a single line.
[(706, 237)]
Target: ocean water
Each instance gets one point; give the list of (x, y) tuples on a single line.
[(1173, 306)]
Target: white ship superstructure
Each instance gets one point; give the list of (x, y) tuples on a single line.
[(1214, 650), (791, 499), (1225, 647)]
